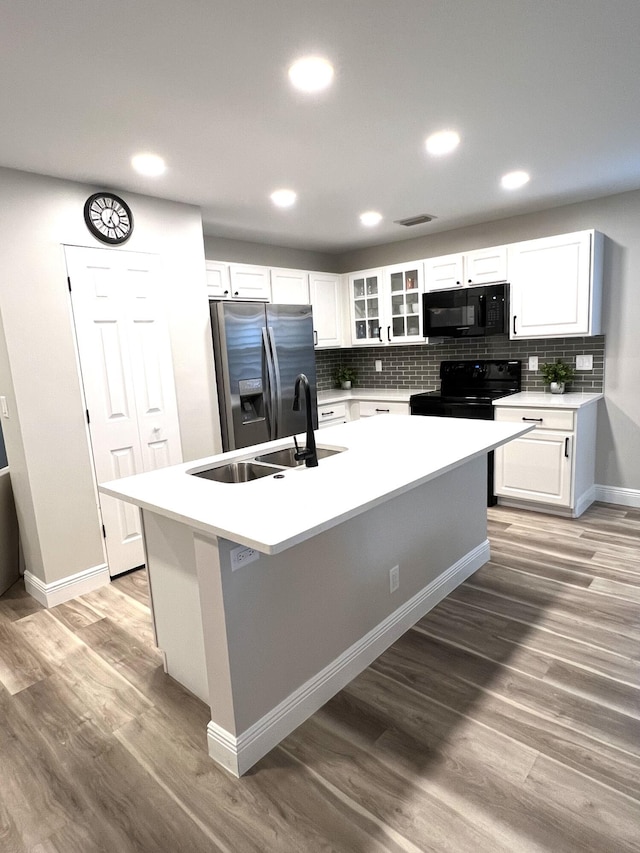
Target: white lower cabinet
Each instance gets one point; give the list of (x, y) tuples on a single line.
[(369, 408), (550, 468), (332, 414)]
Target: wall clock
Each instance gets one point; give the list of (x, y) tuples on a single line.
[(108, 217)]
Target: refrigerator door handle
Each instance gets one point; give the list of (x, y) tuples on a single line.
[(269, 402), (277, 397)]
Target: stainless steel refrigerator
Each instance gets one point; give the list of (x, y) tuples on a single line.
[(259, 350)]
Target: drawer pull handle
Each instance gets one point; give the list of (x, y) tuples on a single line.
[(537, 420), (566, 447), (326, 414), (382, 410)]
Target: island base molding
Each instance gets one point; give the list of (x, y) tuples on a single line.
[(238, 754)]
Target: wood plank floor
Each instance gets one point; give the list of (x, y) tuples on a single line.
[(508, 719)]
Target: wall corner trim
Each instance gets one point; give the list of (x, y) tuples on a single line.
[(238, 753), (67, 588)]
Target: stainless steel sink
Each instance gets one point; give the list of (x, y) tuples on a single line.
[(286, 456), (236, 472)]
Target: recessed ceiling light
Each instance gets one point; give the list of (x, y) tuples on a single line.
[(442, 142), (311, 73), (514, 180), (148, 164), (283, 198), (370, 218)]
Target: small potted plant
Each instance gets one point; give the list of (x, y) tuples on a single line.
[(556, 374), (345, 375)]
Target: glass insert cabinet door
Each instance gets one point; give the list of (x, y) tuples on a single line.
[(404, 304), (366, 297)]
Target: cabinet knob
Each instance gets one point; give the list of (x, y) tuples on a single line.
[(236, 293), (226, 293)]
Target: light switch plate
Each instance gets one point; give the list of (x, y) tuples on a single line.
[(378, 365), (533, 362), (584, 362)]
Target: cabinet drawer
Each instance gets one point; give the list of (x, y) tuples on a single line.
[(368, 408), (543, 418), (334, 412)]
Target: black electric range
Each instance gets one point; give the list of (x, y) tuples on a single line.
[(467, 390)]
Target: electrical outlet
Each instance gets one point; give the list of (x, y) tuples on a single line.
[(378, 365), (3, 407), (533, 362), (241, 555), (584, 362), (394, 578)]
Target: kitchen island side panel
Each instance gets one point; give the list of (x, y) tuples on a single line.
[(290, 615)]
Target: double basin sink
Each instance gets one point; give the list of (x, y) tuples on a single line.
[(263, 465)]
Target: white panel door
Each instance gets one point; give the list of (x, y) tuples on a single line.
[(151, 363), (127, 375)]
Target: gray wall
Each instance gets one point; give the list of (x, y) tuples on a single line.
[(616, 216), (222, 249)]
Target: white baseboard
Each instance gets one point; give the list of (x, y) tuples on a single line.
[(50, 594), (616, 495), (238, 754)]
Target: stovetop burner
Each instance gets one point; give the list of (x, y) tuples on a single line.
[(475, 382)]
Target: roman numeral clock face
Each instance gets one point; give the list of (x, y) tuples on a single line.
[(108, 217)]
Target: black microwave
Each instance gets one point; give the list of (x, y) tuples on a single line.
[(466, 312)]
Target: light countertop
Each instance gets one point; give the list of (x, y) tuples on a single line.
[(547, 400), (391, 395), (384, 457)]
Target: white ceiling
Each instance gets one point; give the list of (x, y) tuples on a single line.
[(549, 86)]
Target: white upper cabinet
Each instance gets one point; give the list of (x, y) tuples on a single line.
[(443, 273), (385, 305), (481, 266), (218, 281), (485, 266), (290, 287), (556, 286), (365, 300), (326, 296), (237, 281), (402, 286), (250, 282)]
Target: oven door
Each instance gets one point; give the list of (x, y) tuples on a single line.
[(454, 313)]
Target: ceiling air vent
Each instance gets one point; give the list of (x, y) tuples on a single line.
[(415, 220)]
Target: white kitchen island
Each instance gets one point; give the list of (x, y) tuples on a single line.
[(266, 636)]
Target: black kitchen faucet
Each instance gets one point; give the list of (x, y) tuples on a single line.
[(308, 453)]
